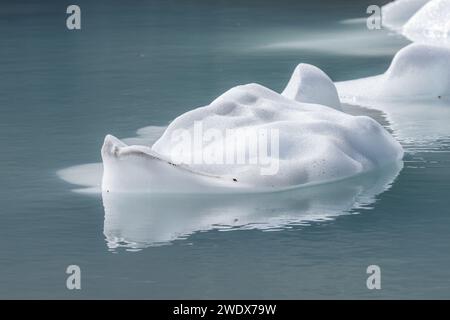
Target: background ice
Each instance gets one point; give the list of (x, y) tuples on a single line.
[(432, 22), (396, 13), (419, 20), (418, 71), (414, 93)]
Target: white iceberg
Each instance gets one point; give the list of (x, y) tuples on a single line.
[(419, 20), (395, 14), (431, 22), (135, 221), (418, 71), (414, 93), (315, 144)]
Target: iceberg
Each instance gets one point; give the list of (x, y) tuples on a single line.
[(431, 22), (414, 93), (419, 20), (418, 71), (395, 14), (310, 144)]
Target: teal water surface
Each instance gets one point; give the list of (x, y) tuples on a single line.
[(142, 63)]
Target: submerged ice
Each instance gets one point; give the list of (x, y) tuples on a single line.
[(135, 220), (316, 143)]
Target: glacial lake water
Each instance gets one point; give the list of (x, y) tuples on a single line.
[(142, 64)]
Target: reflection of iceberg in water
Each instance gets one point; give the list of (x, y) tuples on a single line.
[(136, 221)]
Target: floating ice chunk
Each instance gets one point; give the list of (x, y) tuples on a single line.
[(395, 14), (135, 221), (414, 93), (431, 22), (419, 20), (418, 71), (315, 144), (311, 85)]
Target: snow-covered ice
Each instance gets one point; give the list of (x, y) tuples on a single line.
[(418, 71), (419, 20), (414, 92), (396, 13), (317, 144), (431, 22)]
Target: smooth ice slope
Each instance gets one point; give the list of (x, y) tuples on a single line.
[(431, 22), (418, 71), (311, 85), (317, 144), (395, 14)]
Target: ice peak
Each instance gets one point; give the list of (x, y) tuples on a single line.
[(309, 84)]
